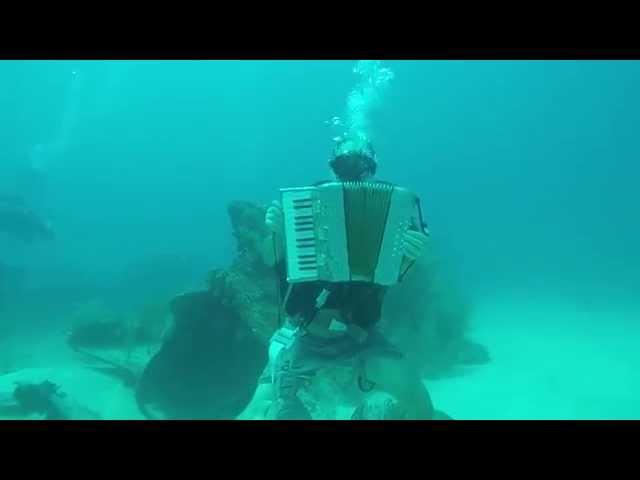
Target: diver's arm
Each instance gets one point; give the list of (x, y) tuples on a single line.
[(414, 246)]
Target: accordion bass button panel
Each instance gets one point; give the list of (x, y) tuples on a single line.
[(398, 222)]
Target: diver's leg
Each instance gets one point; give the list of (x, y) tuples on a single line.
[(294, 367), (263, 397), (396, 377), (288, 380)]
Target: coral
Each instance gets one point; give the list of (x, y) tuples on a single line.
[(249, 287), (252, 296)]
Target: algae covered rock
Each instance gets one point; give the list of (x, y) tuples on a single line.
[(248, 286), (208, 365), (95, 325)]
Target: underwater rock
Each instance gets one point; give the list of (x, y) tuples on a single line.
[(379, 406), (440, 415), (99, 334), (93, 325), (208, 365), (383, 406), (251, 296), (46, 398), (249, 230), (330, 389)]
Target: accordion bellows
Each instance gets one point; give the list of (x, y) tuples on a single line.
[(349, 231)]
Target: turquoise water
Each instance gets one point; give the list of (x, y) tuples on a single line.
[(527, 170)]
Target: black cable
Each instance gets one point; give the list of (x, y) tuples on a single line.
[(278, 287), (424, 228)]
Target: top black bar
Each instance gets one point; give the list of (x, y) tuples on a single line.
[(133, 52)]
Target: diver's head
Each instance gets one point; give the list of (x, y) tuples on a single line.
[(353, 161)]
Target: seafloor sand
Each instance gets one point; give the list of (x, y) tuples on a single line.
[(49, 358), (550, 360)]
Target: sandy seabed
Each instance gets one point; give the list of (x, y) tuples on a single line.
[(549, 360)]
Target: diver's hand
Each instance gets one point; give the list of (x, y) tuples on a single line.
[(414, 244), (274, 218)]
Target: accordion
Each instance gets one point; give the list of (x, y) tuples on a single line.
[(351, 231)]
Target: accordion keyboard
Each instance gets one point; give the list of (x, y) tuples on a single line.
[(302, 254)]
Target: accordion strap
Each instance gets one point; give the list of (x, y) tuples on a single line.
[(278, 285), (424, 229)]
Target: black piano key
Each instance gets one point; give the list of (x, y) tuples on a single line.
[(304, 229)]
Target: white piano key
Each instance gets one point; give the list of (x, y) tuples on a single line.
[(306, 251)]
